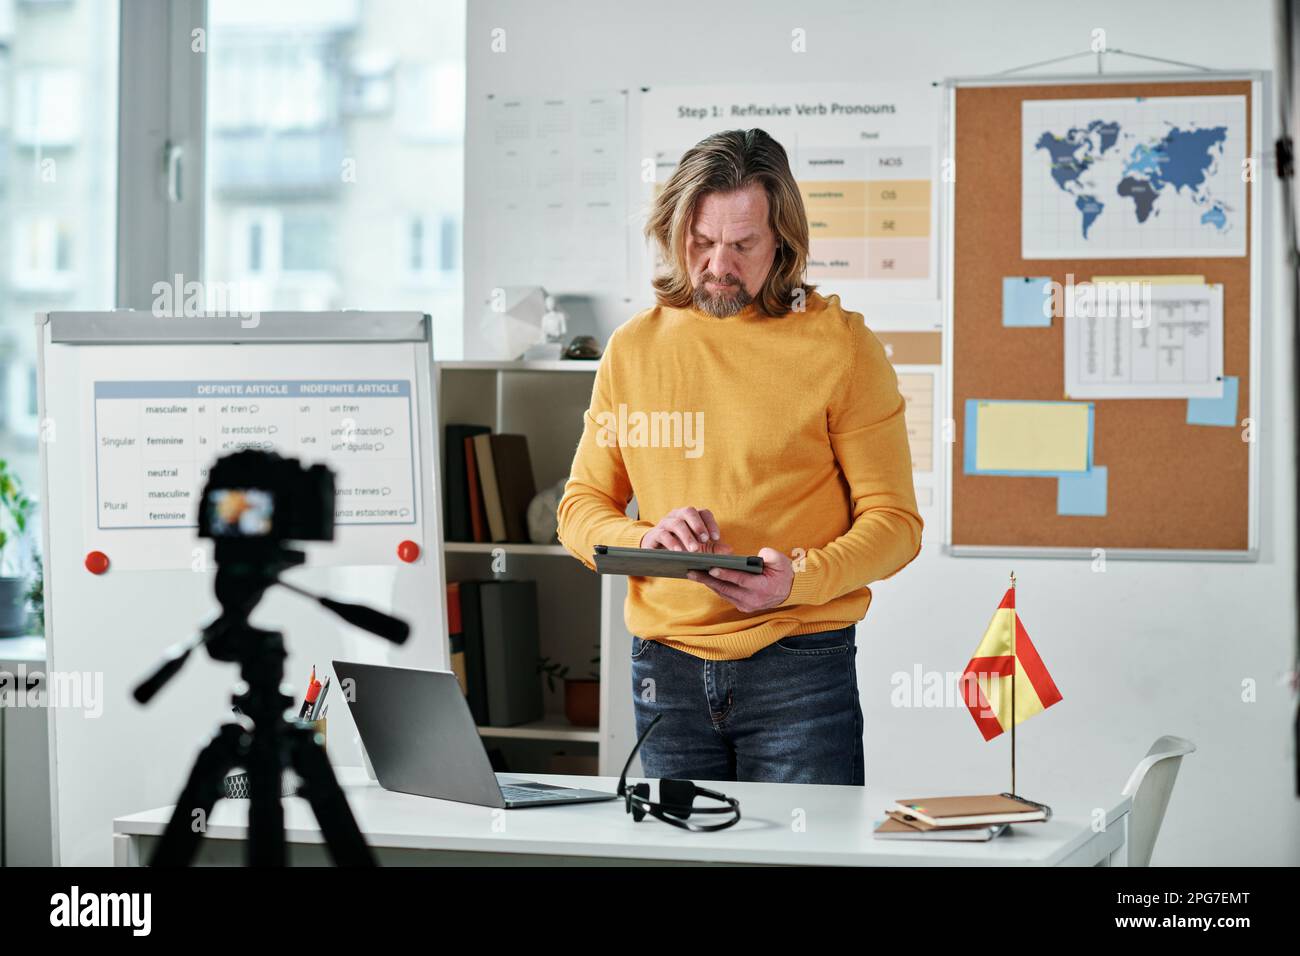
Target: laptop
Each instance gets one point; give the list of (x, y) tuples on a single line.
[(420, 736)]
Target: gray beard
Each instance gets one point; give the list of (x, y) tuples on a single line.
[(719, 304)]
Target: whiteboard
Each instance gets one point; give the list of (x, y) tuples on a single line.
[(134, 408)]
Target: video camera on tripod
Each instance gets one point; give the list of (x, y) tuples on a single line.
[(254, 502)]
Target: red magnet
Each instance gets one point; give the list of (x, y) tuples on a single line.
[(96, 562), (408, 551)]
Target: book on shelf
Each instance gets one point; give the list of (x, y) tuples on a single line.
[(498, 487), (456, 635), (456, 512), (496, 636), (477, 513), (515, 485), (471, 642), (511, 649), (487, 477)]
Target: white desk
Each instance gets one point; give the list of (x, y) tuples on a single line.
[(833, 828)]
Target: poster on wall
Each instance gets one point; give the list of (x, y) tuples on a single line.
[(1147, 177), (150, 441), (557, 209), (917, 358), (866, 157)]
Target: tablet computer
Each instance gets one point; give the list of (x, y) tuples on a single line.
[(662, 563)]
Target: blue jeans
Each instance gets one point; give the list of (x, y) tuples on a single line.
[(788, 714)]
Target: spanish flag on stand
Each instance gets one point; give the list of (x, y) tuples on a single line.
[(987, 681)]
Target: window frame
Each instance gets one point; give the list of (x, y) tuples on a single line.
[(160, 155)]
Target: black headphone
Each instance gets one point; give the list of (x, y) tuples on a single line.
[(676, 798)]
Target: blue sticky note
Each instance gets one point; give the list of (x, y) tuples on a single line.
[(1215, 411), (1083, 495), (1026, 302)]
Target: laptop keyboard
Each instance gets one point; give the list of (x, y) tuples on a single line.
[(523, 793)]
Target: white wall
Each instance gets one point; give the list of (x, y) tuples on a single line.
[(1144, 649)]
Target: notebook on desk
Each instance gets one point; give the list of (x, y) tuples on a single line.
[(980, 809), (893, 827)]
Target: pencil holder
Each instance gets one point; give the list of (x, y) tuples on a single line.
[(235, 785)]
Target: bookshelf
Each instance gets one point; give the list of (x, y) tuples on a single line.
[(578, 611)]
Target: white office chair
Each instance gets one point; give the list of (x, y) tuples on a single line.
[(1150, 786)]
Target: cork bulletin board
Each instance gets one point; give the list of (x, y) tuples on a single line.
[(1174, 490)]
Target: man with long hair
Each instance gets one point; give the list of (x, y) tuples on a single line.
[(804, 462)]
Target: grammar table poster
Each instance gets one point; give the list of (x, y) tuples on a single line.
[(866, 157)]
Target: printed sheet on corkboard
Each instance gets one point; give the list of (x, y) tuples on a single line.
[(1166, 484)]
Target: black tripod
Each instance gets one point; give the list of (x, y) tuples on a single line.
[(262, 741)]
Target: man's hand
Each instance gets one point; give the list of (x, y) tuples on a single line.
[(752, 592), (686, 529)]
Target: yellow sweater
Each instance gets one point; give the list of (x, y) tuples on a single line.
[(789, 429)]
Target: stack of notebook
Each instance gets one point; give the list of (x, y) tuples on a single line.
[(976, 818)]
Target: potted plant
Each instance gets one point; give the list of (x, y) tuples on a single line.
[(581, 694), (15, 511), (553, 670), (36, 595)]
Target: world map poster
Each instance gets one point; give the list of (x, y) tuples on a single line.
[(1147, 177)]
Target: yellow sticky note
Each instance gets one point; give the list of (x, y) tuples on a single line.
[(1028, 438)]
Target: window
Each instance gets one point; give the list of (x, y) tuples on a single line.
[(419, 255), (327, 122), (42, 247), (255, 247), (305, 244), (18, 390), (450, 246), (271, 243), (430, 247), (279, 82), (431, 102), (369, 90), (47, 107), (58, 173)]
